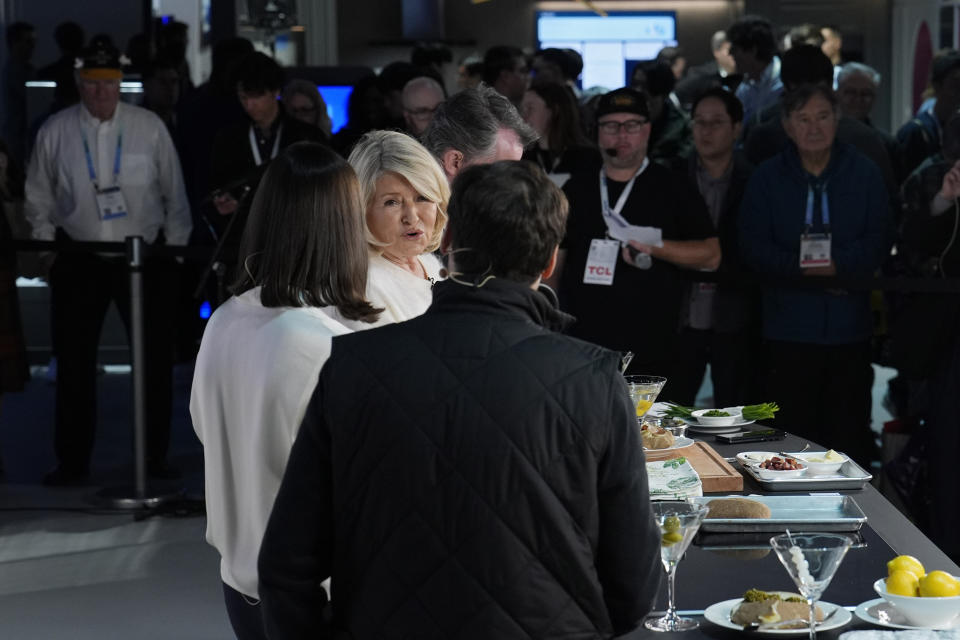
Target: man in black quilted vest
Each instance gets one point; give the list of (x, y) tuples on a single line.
[(470, 473)]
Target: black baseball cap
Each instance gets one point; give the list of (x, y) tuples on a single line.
[(625, 100)]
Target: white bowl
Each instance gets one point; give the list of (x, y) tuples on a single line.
[(820, 468), (920, 611), (773, 474), (717, 421)]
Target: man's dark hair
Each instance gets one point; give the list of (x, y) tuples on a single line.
[(469, 121), (657, 78), (506, 219), (258, 73), (497, 59), (669, 55), (430, 55), (396, 75), (731, 103), (16, 31), (753, 33), (805, 64), (943, 65), (69, 37), (304, 241), (224, 58), (567, 61), (797, 97)]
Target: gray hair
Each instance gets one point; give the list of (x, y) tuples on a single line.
[(420, 83), (852, 68), (469, 122)]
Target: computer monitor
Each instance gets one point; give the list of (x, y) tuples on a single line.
[(610, 45), (336, 97)]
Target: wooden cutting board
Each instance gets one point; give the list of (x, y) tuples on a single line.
[(716, 474)]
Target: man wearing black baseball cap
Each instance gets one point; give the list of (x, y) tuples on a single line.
[(631, 229)]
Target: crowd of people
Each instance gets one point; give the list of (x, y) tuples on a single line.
[(386, 396)]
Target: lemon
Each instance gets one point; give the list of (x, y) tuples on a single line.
[(902, 583), (938, 584), (906, 563)]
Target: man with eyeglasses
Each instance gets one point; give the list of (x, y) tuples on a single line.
[(103, 170), (632, 227), (421, 97), (720, 322)]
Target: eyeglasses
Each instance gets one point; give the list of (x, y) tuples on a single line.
[(612, 127)]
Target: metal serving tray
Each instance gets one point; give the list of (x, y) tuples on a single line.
[(797, 513), (850, 476)]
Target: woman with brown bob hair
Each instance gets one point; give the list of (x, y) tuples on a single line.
[(302, 272)]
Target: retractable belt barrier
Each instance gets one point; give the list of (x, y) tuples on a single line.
[(136, 250)]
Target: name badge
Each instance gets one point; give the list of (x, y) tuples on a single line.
[(815, 250), (601, 262), (111, 204)]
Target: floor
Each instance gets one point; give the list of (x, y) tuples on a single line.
[(70, 569)]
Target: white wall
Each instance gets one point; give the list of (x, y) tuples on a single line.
[(188, 12)]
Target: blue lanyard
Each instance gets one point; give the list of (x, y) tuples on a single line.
[(116, 159), (824, 207)]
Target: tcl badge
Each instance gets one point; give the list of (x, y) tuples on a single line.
[(601, 262)]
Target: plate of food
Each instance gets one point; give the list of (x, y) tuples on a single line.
[(721, 420), (758, 608), (656, 438)]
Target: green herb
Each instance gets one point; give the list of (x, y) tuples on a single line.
[(756, 595), (716, 413), (763, 411), (678, 411)]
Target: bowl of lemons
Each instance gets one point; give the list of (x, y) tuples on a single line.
[(925, 599)]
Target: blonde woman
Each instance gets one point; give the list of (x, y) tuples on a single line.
[(405, 193)]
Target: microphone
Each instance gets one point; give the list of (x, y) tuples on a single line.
[(612, 152)]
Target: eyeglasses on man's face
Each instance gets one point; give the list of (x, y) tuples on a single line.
[(612, 127), (422, 112)]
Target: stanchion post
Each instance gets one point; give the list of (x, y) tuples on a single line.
[(138, 496), (134, 255)]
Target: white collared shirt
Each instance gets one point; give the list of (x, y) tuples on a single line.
[(60, 193)]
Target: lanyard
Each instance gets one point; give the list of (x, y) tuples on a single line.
[(256, 148), (116, 159), (613, 215), (824, 207)]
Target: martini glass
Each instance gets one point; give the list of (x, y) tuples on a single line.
[(644, 391), (811, 560), (678, 522)]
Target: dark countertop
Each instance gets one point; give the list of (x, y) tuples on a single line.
[(707, 575)]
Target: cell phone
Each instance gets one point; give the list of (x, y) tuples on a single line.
[(760, 435)]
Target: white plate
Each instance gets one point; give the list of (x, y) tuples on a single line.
[(719, 614), (871, 610), (705, 427), (678, 443)]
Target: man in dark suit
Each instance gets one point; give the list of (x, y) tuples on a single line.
[(720, 322)]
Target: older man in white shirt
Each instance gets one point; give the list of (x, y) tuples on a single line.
[(101, 171)]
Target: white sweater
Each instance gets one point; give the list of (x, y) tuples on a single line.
[(401, 294), (255, 374)]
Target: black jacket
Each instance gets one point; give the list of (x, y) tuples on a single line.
[(737, 304), (466, 474)]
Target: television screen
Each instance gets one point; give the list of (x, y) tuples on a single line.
[(336, 97), (610, 45)]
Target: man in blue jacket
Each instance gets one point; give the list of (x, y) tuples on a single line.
[(470, 473), (818, 208)]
